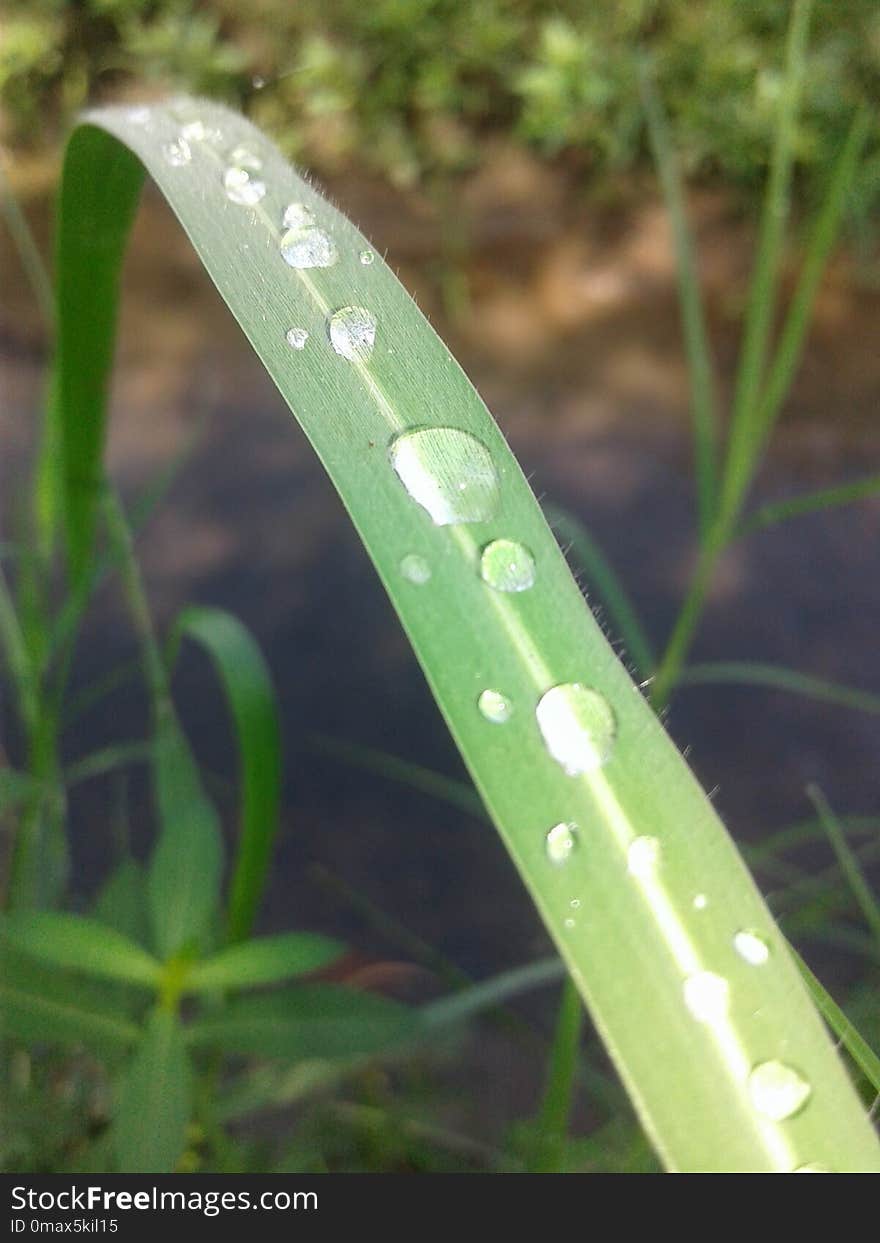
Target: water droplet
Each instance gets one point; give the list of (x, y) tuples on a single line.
[(243, 157), (751, 947), (707, 996), (643, 856), (578, 727), (241, 187), (700, 902), (177, 153), (139, 115), (778, 1091), (813, 1168), (507, 566), (297, 216), (194, 131), (495, 707), (366, 257), (353, 333), (305, 246), (575, 904), (569, 923), (415, 569), (448, 472), (258, 82), (561, 842), (297, 337)]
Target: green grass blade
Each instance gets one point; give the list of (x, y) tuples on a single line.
[(154, 1101), (696, 338), (79, 944), (107, 760), (121, 903), (248, 686), (263, 960), (558, 1099), (780, 511), (605, 582), (777, 677), (848, 860), (856, 1046), (635, 932), (311, 1020), (491, 994)]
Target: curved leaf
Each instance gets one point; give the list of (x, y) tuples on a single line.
[(264, 960), (79, 944)]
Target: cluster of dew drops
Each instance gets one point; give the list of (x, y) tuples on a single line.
[(451, 475)]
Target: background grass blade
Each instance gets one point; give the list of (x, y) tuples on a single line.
[(79, 944), (827, 498), (263, 960), (251, 696), (777, 677), (848, 860), (121, 903), (154, 1100), (619, 908)]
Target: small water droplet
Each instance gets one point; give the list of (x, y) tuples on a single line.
[(448, 472), (194, 131), (296, 338), (575, 904), (415, 569), (507, 566), (700, 902), (578, 727), (707, 996), (569, 923), (643, 856), (177, 153), (353, 333), (751, 947), (561, 842), (306, 246), (366, 257), (495, 707), (813, 1168), (297, 216), (778, 1091), (241, 187), (243, 157)]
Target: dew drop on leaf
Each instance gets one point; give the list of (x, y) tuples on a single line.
[(241, 187), (643, 856), (306, 246), (297, 216), (177, 153), (353, 333), (296, 338), (507, 566), (448, 472), (366, 257), (495, 707), (751, 947), (415, 569), (778, 1091), (578, 727), (707, 996), (561, 842)]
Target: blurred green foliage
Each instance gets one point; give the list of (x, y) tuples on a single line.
[(411, 88)]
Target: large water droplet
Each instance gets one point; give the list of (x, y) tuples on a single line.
[(707, 996), (561, 842), (778, 1091), (306, 246), (177, 153), (353, 333), (297, 216), (296, 338), (578, 727), (495, 707), (448, 472), (507, 566), (415, 569), (751, 947), (643, 856), (241, 187)]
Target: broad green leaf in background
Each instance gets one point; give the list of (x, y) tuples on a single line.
[(654, 913), (248, 687), (121, 903), (183, 878), (308, 1020), (154, 1100), (264, 960), (79, 944)]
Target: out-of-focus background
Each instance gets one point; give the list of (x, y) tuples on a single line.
[(496, 153)]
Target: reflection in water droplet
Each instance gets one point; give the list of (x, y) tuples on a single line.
[(177, 153), (813, 1168), (297, 337), (700, 902), (707, 996), (448, 472), (306, 246), (507, 566), (415, 569), (561, 842), (578, 727), (241, 187), (353, 333), (297, 216), (751, 947), (495, 707), (778, 1091), (366, 257), (643, 856)]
